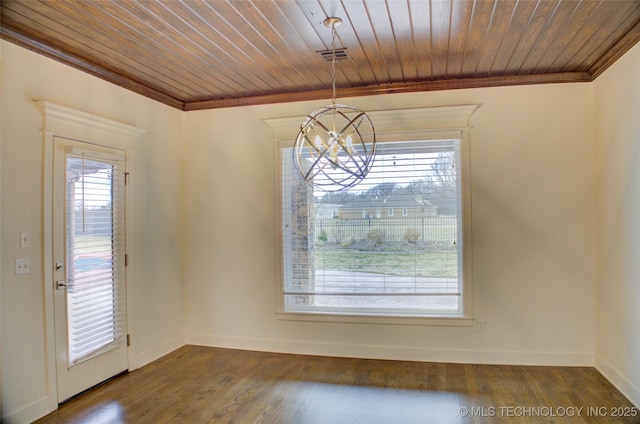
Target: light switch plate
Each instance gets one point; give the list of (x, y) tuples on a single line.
[(23, 266), (25, 240)]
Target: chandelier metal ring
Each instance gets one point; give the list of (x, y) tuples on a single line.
[(331, 150)]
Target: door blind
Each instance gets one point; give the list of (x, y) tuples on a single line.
[(94, 256)]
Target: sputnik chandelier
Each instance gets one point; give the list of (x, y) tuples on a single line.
[(331, 151)]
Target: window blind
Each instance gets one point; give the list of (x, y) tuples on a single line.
[(390, 245), (95, 271)]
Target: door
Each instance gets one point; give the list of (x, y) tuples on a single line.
[(89, 261)]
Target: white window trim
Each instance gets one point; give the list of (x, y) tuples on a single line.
[(447, 122)]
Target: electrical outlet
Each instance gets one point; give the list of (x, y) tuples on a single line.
[(23, 266)]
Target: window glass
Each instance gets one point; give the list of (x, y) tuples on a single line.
[(357, 262)]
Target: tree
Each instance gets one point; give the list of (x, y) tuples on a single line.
[(381, 190), (422, 187), (443, 179), (336, 197), (444, 171), (439, 185)]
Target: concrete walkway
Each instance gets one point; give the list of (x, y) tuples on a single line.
[(351, 282)]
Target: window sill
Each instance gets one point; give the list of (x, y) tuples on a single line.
[(450, 321)]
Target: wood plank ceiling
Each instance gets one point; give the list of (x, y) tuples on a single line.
[(197, 54)]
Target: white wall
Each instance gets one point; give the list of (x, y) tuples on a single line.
[(617, 109), (157, 326), (533, 194)]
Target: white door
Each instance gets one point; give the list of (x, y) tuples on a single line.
[(89, 261)]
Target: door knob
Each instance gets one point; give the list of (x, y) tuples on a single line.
[(61, 285)]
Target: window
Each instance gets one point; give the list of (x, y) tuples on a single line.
[(396, 266), (353, 275)]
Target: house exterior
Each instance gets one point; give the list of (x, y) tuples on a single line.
[(399, 204), (326, 210)]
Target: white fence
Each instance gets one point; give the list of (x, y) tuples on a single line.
[(426, 230)]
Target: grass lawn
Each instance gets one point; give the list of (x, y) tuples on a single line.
[(402, 261)]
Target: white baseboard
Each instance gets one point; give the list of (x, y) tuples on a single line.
[(33, 411), (401, 353), (147, 356), (622, 383), (48, 404)]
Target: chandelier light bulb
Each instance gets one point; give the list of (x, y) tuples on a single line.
[(329, 160)]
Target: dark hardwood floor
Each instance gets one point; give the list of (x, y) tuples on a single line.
[(208, 385)]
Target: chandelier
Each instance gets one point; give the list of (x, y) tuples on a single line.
[(335, 147)]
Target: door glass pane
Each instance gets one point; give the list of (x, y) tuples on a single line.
[(91, 250)]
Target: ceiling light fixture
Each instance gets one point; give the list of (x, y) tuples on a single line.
[(335, 147)]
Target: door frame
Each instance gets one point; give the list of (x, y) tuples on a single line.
[(72, 124), (105, 361)]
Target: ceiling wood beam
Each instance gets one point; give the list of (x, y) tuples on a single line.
[(372, 90), (622, 46), (20, 39)]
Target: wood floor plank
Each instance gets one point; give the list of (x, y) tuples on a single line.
[(196, 384)]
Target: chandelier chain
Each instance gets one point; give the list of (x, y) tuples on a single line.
[(333, 62)]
